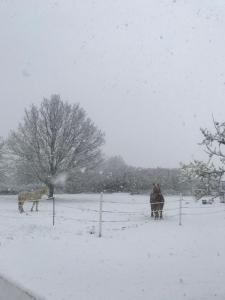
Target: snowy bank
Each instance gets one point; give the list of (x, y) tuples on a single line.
[(10, 290)]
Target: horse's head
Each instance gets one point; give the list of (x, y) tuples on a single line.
[(44, 190)]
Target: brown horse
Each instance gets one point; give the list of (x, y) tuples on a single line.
[(33, 196), (156, 202)]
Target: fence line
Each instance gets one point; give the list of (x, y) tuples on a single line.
[(183, 211), (138, 203), (76, 219), (111, 211), (171, 216), (114, 212), (209, 206), (202, 214)]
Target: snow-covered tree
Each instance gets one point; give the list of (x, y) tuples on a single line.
[(205, 177), (2, 165), (214, 143), (209, 173), (54, 139)]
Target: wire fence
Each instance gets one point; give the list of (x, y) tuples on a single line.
[(106, 212)]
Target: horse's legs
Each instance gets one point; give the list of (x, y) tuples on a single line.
[(158, 211), (32, 206), (19, 207), (153, 208), (37, 202), (156, 214), (160, 214), (161, 211), (21, 210), (152, 211)]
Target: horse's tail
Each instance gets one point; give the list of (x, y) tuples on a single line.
[(21, 196)]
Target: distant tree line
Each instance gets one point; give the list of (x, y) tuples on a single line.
[(111, 175), (114, 175)]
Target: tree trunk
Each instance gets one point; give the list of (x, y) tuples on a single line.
[(50, 190)]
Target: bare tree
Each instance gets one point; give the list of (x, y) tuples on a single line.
[(54, 139)]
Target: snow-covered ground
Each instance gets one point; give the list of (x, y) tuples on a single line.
[(136, 258)]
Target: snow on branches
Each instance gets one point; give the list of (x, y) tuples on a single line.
[(2, 168), (209, 175), (55, 139), (214, 142), (205, 176)]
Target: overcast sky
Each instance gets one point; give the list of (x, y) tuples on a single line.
[(149, 73)]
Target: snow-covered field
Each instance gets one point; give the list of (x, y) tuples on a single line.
[(137, 258)]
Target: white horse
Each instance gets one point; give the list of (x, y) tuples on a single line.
[(33, 196)]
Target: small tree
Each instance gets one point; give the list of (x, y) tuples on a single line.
[(209, 174), (204, 176), (214, 143), (2, 165), (54, 139)]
